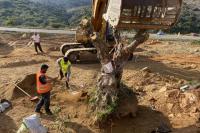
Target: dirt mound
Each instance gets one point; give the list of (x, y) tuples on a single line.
[(5, 49), (28, 84), (7, 124), (71, 96)]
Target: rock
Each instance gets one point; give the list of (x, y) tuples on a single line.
[(151, 88), (196, 50), (180, 81), (184, 88), (146, 69), (76, 115), (193, 66), (179, 115), (194, 110), (170, 106), (172, 93), (152, 100), (163, 89), (137, 88), (187, 100), (153, 107), (171, 115), (195, 116)]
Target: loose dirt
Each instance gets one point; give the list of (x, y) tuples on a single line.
[(170, 65)]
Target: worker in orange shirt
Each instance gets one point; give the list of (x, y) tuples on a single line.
[(43, 88)]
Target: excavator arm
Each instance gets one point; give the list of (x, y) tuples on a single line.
[(98, 9)]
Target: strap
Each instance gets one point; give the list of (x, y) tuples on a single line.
[(25, 125)]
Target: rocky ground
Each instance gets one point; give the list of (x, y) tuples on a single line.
[(156, 74)]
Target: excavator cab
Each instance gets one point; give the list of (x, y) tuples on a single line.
[(136, 14)]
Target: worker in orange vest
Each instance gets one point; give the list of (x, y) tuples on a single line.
[(43, 88)]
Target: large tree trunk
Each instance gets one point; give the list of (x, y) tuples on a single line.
[(110, 94)]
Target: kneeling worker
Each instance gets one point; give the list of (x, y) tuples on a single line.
[(43, 88), (65, 69)]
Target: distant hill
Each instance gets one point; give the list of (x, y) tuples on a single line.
[(66, 13), (42, 13), (65, 3), (189, 21)]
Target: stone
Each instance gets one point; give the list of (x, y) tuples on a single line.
[(146, 69), (172, 93), (163, 89), (170, 106), (187, 100), (76, 115), (151, 88), (180, 81), (179, 115), (171, 115), (194, 110), (193, 66)]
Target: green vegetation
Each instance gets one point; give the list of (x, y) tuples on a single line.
[(68, 13), (189, 22), (108, 111), (64, 3), (197, 42), (24, 13), (100, 114)]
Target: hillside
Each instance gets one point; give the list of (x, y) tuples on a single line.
[(24, 13), (189, 20), (67, 13), (64, 3)]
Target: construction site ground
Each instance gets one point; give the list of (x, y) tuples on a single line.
[(170, 65)]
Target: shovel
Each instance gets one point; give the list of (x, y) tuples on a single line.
[(31, 98)]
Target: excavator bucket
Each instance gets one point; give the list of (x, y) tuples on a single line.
[(140, 14)]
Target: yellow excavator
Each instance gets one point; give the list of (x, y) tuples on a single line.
[(123, 15)]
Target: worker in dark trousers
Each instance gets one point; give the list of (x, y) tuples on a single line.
[(43, 88), (64, 69), (36, 39)]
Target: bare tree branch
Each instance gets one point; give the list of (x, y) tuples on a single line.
[(139, 38), (102, 48)]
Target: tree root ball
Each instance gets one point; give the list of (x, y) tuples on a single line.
[(107, 105), (127, 103)]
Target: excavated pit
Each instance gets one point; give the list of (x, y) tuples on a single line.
[(28, 84)]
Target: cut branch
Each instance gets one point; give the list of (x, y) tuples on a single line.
[(139, 38)]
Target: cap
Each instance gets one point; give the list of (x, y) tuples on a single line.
[(44, 66), (65, 58)]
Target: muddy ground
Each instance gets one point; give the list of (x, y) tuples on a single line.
[(170, 66)]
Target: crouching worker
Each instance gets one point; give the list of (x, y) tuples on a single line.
[(65, 69), (43, 88)]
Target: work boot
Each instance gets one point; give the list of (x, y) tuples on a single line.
[(49, 113), (39, 112), (61, 78), (67, 85)]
